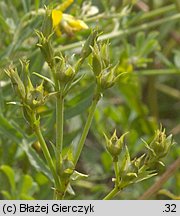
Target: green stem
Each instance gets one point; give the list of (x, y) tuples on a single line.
[(156, 72), (146, 15), (116, 170), (172, 92), (53, 70), (140, 28), (158, 11), (46, 152), (86, 128), (119, 33), (111, 194), (59, 130), (152, 97)]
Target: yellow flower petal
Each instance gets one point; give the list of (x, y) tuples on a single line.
[(58, 32), (74, 23), (81, 24), (66, 21), (56, 17)]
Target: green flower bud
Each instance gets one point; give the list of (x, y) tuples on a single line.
[(47, 26), (86, 50), (129, 177), (105, 54), (60, 63), (67, 169), (34, 96), (100, 57), (161, 143), (138, 162), (114, 145), (78, 65), (46, 48), (132, 170), (96, 65), (107, 78), (64, 71), (69, 74), (16, 81)]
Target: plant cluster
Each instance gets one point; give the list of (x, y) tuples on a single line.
[(48, 92)]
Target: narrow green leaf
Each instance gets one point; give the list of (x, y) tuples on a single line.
[(4, 25), (43, 77), (26, 184), (8, 130), (9, 172), (70, 190), (37, 4), (177, 58), (80, 102), (6, 194), (26, 197), (78, 109), (140, 37), (77, 175), (35, 160)]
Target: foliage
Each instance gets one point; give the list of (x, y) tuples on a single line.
[(123, 75)]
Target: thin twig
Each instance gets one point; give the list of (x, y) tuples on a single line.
[(157, 185)]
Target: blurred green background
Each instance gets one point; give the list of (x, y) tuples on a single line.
[(145, 38)]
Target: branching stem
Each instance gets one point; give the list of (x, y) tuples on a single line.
[(111, 194), (86, 128), (45, 150)]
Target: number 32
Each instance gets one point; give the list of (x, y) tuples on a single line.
[(170, 208)]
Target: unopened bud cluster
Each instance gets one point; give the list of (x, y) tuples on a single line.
[(66, 171), (140, 168), (31, 97), (64, 71), (46, 48), (114, 145), (159, 147), (106, 74)]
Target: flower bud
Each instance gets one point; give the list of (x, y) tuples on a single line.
[(69, 74), (107, 78), (97, 64), (129, 177), (34, 95), (161, 143), (47, 25), (67, 169), (65, 72), (16, 81), (100, 57), (46, 48), (105, 54), (86, 50), (114, 145)]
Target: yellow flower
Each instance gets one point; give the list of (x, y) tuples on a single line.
[(56, 20), (66, 22)]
